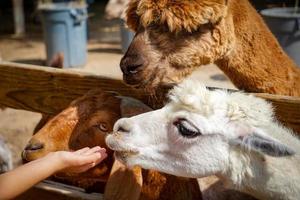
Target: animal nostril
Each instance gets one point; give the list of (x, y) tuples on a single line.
[(133, 69), (122, 129), (34, 146), (131, 64)]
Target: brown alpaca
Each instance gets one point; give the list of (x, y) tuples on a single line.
[(174, 37)]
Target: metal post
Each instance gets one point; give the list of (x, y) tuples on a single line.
[(19, 18)]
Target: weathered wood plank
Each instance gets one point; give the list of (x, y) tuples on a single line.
[(287, 109), (48, 90)]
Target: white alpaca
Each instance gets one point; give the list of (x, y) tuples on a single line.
[(200, 133), (5, 157)]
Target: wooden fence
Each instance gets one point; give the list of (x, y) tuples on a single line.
[(49, 90)]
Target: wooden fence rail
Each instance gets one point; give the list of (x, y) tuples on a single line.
[(49, 90)]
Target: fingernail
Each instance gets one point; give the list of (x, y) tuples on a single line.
[(104, 155)]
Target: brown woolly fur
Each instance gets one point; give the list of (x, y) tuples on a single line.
[(132, 19), (175, 37), (178, 15)]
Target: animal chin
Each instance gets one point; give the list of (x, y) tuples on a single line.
[(124, 155), (138, 84)]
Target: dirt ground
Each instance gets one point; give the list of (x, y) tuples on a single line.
[(104, 54)]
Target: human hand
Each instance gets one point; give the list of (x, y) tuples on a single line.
[(81, 160)]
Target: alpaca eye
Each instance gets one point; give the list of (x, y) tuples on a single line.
[(102, 127), (186, 129)]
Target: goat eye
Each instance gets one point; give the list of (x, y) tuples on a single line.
[(102, 127), (186, 129)]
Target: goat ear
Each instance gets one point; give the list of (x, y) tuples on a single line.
[(263, 144), (130, 107)]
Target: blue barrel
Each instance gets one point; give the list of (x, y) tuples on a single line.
[(285, 25), (65, 31), (126, 36)]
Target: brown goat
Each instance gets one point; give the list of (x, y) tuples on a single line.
[(174, 37), (86, 122)]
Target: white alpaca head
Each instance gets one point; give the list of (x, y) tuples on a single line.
[(194, 134)]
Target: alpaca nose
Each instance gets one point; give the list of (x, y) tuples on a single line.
[(123, 126), (34, 146), (122, 129), (131, 64)]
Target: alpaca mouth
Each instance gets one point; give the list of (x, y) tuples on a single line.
[(121, 149), (143, 79), (135, 78)]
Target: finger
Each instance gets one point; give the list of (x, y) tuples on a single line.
[(86, 159), (92, 150), (87, 167), (83, 168), (102, 150), (99, 160), (103, 156), (81, 151)]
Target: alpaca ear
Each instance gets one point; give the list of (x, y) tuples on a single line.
[(131, 17), (130, 107), (261, 143)]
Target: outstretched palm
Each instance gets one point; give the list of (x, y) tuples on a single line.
[(83, 159)]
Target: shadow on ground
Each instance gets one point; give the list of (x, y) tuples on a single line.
[(31, 61), (219, 77), (106, 50)]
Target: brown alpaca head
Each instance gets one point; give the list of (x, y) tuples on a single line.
[(84, 123), (173, 37)]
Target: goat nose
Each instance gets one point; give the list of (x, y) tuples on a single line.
[(131, 64), (34, 146)]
